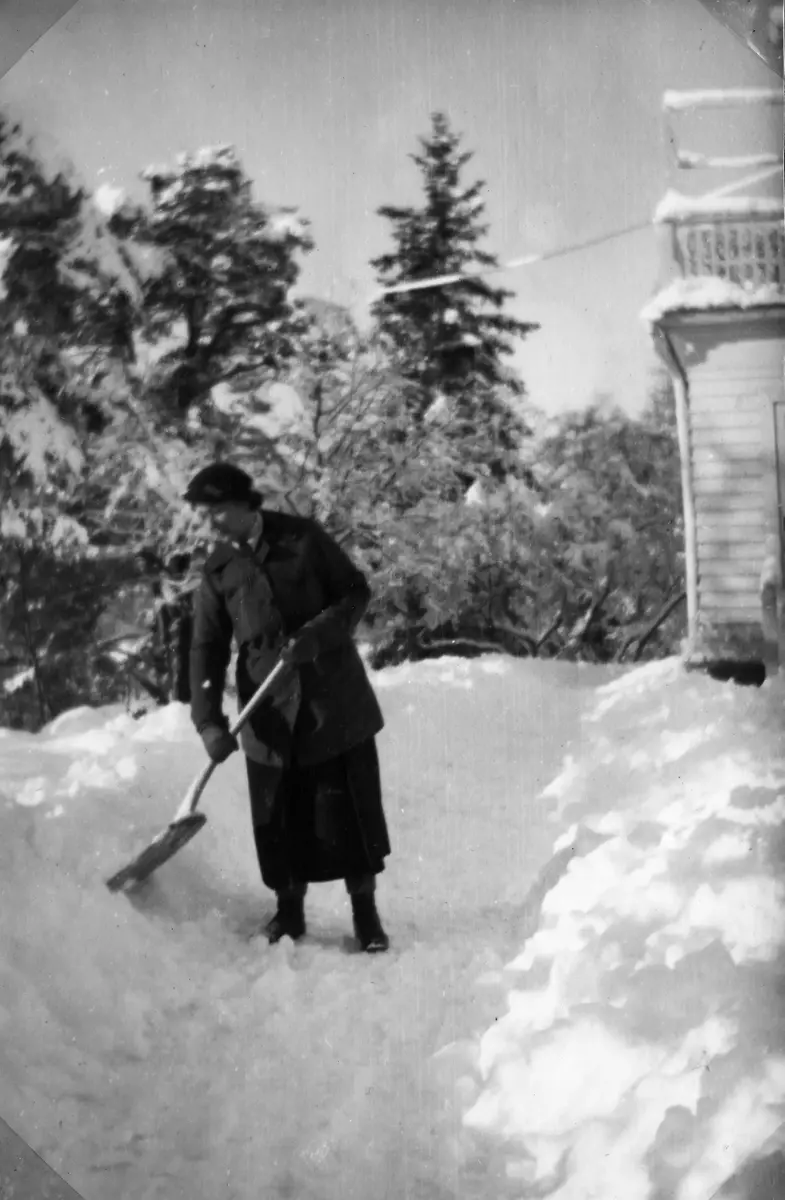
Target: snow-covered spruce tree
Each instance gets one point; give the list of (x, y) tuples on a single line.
[(458, 418), (451, 342)]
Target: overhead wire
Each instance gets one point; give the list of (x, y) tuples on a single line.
[(512, 264)]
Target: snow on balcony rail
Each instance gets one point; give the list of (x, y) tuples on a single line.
[(676, 207), (740, 239), (707, 293), (677, 101)]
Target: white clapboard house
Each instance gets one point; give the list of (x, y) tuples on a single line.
[(718, 321)]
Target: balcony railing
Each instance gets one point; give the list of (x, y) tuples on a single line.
[(750, 252), (736, 239), (722, 234)]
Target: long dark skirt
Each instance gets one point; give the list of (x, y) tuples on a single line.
[(318, 823)]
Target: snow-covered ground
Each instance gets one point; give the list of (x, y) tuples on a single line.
[(599, 1017)]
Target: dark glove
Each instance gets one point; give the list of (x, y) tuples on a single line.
[(218, 742), (302, 648)]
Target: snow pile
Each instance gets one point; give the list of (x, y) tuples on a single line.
[(675, 206), (706, 293), (642, 1051)]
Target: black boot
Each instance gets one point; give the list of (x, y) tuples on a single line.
[(289, 920), (367, 926)]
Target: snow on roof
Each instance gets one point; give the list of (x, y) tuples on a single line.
[(677, 101), (676, 207), (696, 160), (708, 292)]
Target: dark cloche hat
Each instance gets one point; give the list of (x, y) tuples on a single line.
[(221, 483)]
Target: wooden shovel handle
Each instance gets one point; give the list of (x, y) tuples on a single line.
[(194, 792)]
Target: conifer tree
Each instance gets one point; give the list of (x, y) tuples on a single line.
[(451, 341)]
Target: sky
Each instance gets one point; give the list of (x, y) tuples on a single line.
[(560, 101)]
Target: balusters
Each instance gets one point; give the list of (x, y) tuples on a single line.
[(749, 253)]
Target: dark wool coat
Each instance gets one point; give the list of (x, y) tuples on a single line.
[(296, 576)]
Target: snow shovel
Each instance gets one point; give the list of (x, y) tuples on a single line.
[(186, 822)]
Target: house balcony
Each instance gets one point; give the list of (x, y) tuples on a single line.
[(740, 239), (719, 254)]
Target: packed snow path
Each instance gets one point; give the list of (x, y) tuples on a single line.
[(151, 1050)]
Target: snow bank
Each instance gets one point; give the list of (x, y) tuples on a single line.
[(642, 1051), (705, 293)]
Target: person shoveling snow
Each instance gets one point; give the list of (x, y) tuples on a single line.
[(289, 596)]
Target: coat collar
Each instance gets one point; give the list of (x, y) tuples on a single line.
[(256, 536), (256, 542), (270, 530)]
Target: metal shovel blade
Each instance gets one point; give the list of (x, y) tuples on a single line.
[(160, 850), (186, 821)]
